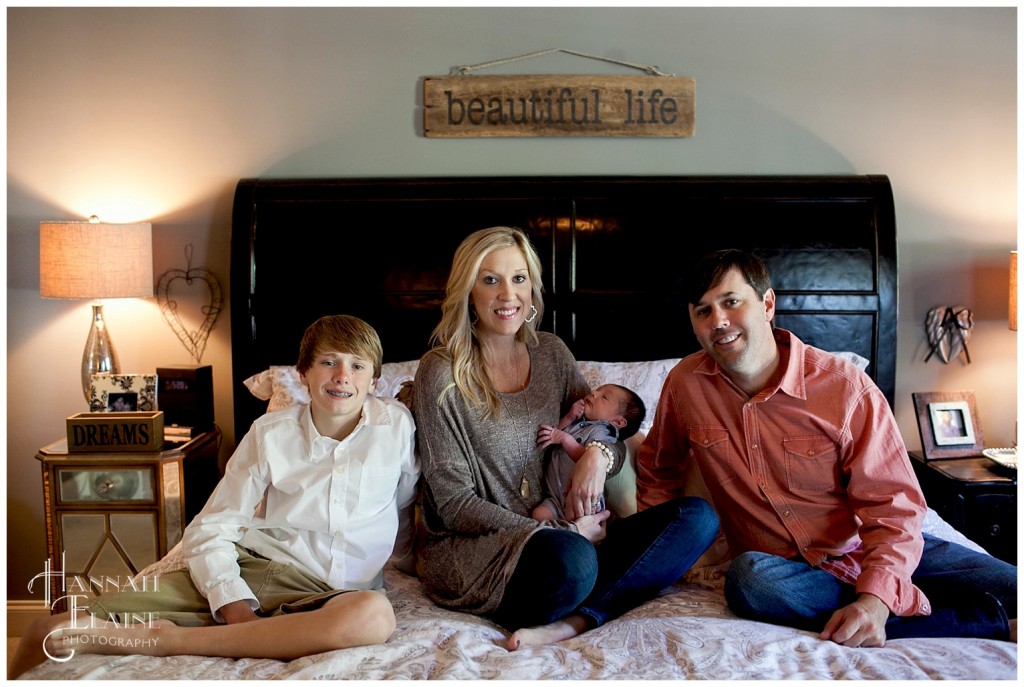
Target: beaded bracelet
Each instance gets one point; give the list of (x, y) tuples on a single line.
[(608, 453)]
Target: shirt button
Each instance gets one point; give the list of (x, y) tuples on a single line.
[(339, 470), (753, 447), (811, 452), (924, 607), (786, 513)]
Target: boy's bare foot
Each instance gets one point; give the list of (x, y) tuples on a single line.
[(566, 628), (104, 639)]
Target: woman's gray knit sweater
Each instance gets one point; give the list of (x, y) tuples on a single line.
[(476, 510)]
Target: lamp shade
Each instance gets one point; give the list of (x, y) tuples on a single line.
[(95, 260), (1013, 290)]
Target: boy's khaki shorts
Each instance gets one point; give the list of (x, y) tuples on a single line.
[(279, 587)]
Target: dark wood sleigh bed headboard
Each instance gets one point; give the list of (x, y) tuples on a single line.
[(614, 250)]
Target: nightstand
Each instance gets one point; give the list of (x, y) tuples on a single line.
[(113, 513), (975, 496)]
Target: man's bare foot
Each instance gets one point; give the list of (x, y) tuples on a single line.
[(566, 628)]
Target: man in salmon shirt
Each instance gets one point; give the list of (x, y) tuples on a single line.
[(811, 480)]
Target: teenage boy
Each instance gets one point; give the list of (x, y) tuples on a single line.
[(285, 559)]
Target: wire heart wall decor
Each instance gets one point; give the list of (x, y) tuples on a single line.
[(193, 340), (949, 330)]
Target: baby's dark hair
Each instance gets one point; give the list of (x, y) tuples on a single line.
[(633, 411)]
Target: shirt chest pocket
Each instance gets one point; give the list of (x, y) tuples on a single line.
[(377, 485), (713, 442), (811, 463)]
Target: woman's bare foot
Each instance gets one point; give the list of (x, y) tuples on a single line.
[(566, 628)]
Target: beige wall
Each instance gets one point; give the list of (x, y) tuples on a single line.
[(154, 114)]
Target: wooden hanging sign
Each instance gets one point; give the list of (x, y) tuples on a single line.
[(558, 105)]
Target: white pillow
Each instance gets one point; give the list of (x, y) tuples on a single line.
[(393, 375), (644, 377), (281, 386), (860, 361)]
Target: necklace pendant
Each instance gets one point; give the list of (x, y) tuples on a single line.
[(524, 488)]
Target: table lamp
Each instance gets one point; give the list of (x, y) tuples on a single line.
[(93, 259)]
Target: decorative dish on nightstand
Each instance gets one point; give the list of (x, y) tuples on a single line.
[(1005, 457)]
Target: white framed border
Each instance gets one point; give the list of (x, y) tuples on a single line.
[(122, 393), (951, 423)]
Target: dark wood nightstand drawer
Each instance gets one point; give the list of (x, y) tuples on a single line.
[(975, 496), (991, 520)]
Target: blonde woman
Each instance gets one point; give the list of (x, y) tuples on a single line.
[(491, 380)]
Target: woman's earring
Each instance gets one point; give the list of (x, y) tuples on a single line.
[(533, 315)]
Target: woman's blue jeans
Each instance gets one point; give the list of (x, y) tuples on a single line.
[(560, 572), (972, 594)]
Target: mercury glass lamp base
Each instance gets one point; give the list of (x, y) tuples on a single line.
[(99, 355)]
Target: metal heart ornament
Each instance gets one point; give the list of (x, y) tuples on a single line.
[(949, 330), (194, 340)]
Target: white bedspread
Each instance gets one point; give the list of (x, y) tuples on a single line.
[(687, 632)]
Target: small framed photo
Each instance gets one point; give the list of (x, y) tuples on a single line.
[(948, 424), (110, 393), (951, 423)]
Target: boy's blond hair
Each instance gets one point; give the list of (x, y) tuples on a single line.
[(342, 333)]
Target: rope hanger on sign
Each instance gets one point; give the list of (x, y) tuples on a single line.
[(466, 69)]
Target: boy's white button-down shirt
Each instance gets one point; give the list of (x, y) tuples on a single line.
[(331, 507)]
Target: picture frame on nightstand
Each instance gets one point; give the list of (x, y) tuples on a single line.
[(109, 393), (948, 424)]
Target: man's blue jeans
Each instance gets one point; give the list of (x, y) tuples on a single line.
[(560, 572), (972, 594)]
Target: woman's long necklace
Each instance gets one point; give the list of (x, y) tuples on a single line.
[(524, 482)]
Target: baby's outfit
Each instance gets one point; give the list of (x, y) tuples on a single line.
[(560, 465)]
